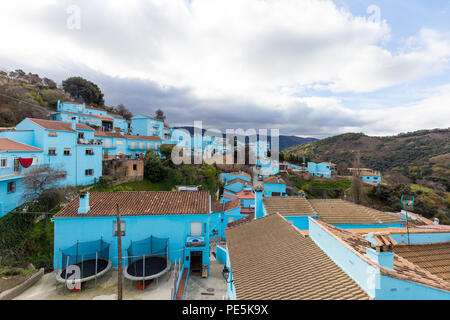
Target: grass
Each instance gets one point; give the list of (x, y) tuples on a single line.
[(143, 185)]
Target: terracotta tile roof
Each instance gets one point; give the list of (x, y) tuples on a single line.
[(340, 211), (108, 134), (250, 217), (288, 206), (11, 145), (153, 138), (433, 257), (274, 179), (271, 260), (403, 269), (230, 196), (105, 118), (93, 108), (246, 194), (230, 182), (217, 206), (59, 125), (137, 203), (115, 115), (367, 173)]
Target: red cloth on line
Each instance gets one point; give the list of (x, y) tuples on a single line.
[(26, 162)]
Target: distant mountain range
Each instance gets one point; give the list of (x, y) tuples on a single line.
[(423, 154), (284, 141)]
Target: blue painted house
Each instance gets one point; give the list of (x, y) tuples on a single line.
[(183, 217), (322, 169), (147, 126), (68, 147), (16, 159), (370, 176), (95, 117), (346, 265), (274, 186), (228, 176), (223, 214)]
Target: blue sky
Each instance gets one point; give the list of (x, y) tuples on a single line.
[(308, 67)]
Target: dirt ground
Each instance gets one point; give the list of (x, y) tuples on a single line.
[(11, 277)]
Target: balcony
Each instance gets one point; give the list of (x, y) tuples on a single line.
[(91, 142)]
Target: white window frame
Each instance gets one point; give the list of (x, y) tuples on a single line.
[(122, 228), (88, 175), (195, 227), (2, 160)]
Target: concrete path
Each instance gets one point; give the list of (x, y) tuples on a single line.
[(213, 288), (106, 289)]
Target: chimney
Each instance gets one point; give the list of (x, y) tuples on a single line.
[(74, 123), (259, 212), (84, 203), (381, 254)]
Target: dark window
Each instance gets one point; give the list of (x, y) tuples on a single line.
[(11, 187), (52, 151), (134, 167), (89, 152), (80, 135), (89, 172), (67, 151)]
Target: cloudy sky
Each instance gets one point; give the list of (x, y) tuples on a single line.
[(308, 67)]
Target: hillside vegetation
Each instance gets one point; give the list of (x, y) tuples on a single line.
[(415, 163), (420, 155)]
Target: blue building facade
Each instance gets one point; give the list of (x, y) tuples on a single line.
[(322, 169), (143, 216), (67, 147)]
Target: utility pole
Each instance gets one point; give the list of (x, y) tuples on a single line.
[(119, 248)]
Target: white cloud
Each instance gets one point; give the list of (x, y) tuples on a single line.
[(254, 52)]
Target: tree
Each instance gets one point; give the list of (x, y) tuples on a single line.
[(49, 83), (154, 170), (160, 115), (166, 150), (123, 111), (357, 187), (41, 183), (80, 88)]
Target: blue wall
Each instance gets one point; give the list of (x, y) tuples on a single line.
[(177, 227)]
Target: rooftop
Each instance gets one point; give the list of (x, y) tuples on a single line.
[(433, 257), (403, 269), (246, 194), (271, 259), (59, 125), (337, 211), (274, 179), (137, 203), (108, 134), (153, 138), (288, 206), (11, 145)]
